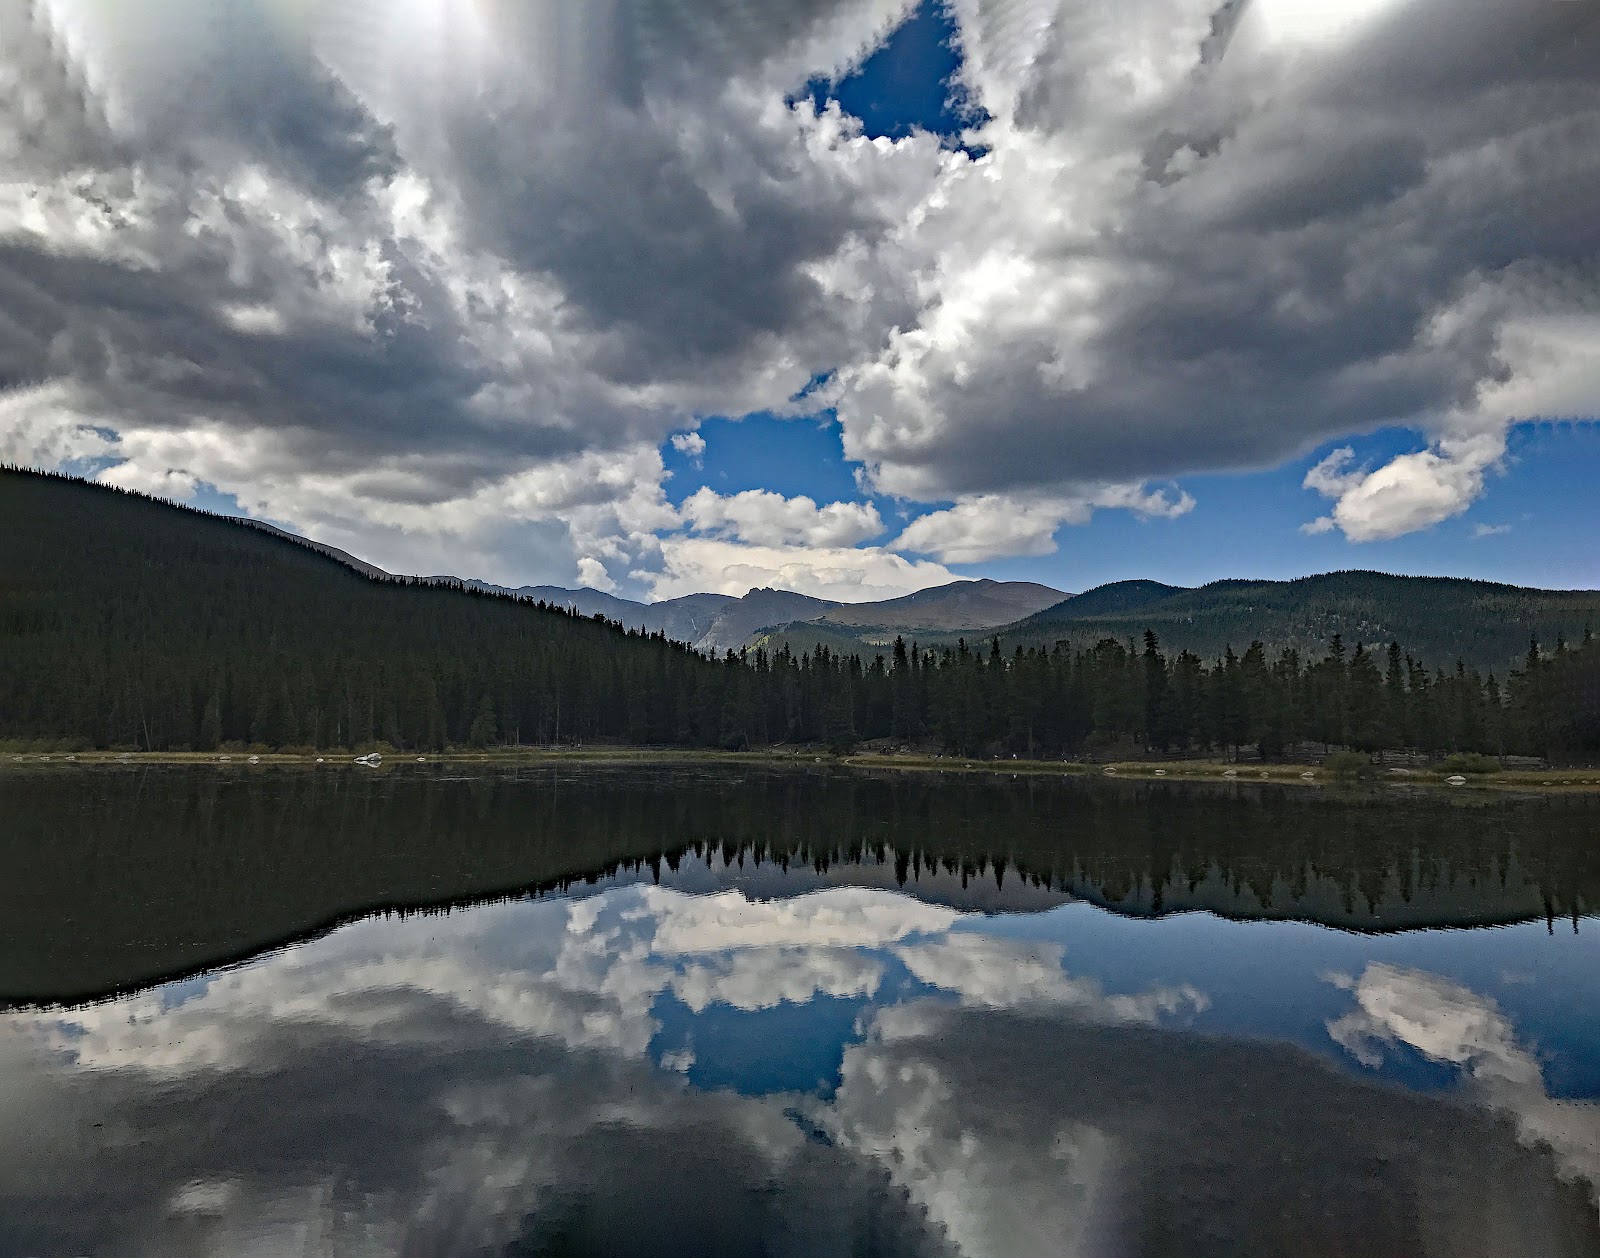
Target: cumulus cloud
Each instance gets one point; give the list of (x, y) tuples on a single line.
[(488, 1084), (475, 1079), (359, 265), (302, 278), (44, 426), (992, 526), (1448, 1022), (1408, 493), (1003, 973), (592, 573), (690, 444), (1183, 251), (1047, 1133), (768, 519), (846, 574), (843, 917)]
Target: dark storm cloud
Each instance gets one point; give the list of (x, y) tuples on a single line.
[(443, 1135), (1325, 239), (244, 266), (615, 212), (1139, 1141), (571, 230)]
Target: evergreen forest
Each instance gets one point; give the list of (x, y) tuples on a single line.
[(130, 623)]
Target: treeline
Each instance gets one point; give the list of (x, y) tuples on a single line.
[(1440, 619), (129, 623), (1065, 701)]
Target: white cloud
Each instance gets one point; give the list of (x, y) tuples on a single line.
[(1490, 530), (1001, 973), (690, 444), (841, 917), (592, 573), (996, 526), (1448, 1022), (46, 426), (761, 978), (1408, 493), (374, 276), (1315, 21), (1156, 268), (861, 574), (998, 1188), (763, 518)]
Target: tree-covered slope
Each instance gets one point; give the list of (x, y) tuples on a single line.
[(808, 636), (125, 621), (131, 623), (960, 605), (941, 613), (1441, 619), (1119, 598)]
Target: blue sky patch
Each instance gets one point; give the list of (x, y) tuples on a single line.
[(908, 84)]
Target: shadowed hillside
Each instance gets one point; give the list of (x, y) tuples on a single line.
[(125, 621), (1438, 618), (129, 623)]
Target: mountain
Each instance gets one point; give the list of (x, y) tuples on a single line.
[(585, 602), (691, 618), (708, 622), (129, 623), (932, 615), (1439, 619), (761, 609), (978, 604), (688, 619), (715, 623), (1120, 598)]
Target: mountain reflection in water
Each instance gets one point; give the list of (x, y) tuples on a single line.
[(718, 1052)]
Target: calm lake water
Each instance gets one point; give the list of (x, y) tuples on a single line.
[(691, 1011)]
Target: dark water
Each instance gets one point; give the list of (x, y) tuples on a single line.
[(706, 1012)]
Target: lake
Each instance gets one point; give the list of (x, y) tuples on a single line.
[(433, 1009)]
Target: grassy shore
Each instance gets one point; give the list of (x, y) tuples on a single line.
[(1308, 776)]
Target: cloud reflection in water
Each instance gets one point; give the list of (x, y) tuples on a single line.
[(498, 1080)]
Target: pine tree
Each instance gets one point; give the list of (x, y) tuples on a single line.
[(484, 728), (210, 737), (1157, 695)]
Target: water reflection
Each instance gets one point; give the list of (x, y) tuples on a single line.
[(117, 878), (742, 1059)]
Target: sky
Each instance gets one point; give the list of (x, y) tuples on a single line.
[(852, 297)]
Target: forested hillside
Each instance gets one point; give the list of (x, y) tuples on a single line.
[(1444, 619), (128, 622), (131, 623), (942, 613)]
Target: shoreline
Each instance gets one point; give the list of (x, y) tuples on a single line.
[(1555, 780)]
